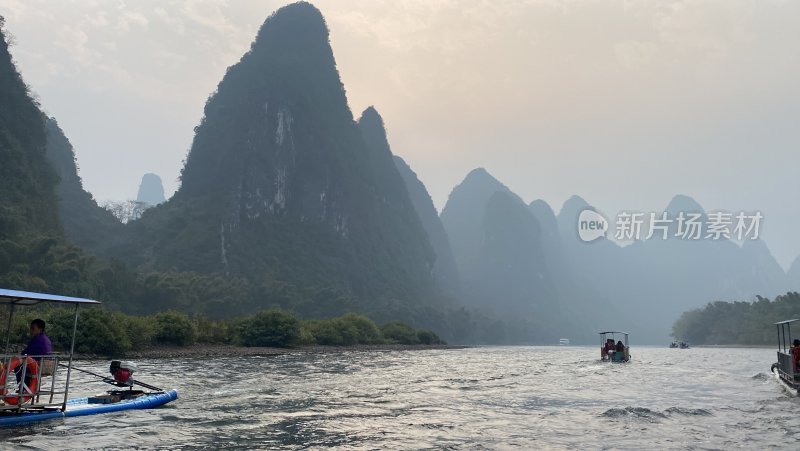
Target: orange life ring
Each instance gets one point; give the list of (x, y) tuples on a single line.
[(27, 390)]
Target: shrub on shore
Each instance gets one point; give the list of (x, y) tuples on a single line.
[(348, 330), (105, 332), (174, 328), (401, 333), (397, 332), (429, 337), (277, 328)]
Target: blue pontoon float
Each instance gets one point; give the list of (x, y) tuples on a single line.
[(36, 387)]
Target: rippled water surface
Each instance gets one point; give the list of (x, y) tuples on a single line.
[(488, 397)]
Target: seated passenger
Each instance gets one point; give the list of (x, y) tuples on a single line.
[(38, 346), (39, 343), (796, 356), (608, 350), (621, 351)]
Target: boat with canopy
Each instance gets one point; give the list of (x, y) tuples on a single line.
[(612, 349), (37, 387)]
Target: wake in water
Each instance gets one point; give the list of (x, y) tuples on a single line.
[(640, 413), (652, 416), (687, 412)]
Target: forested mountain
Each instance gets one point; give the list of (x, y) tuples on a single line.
[(445, 270), (85, 223), (737, 323), (462, 215), (33, 251), (281, 186), (518, 268), (793, 274), (584, 310), (501, 250), (290, 204), (27, 197), (510, 277)]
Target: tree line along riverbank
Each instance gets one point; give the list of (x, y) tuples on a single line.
[(737, 323), (103, 332)]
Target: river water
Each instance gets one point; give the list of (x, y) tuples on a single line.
[(475, 398)]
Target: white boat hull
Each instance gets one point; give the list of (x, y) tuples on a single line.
[(792, 391)]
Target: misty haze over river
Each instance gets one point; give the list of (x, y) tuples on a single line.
[(364, 189), (477, 398)]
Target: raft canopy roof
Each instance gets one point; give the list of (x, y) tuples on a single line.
[(788, 321), (614, 332), (29, 298)]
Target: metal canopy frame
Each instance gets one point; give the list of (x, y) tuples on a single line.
[(30, 298), (13, 298), (785, 334), (613, 334)]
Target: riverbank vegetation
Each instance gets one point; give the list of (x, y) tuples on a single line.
[(112, 333), (737, 323)]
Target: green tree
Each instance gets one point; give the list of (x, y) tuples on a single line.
[(271, 328), (400, 333), (174, 328)]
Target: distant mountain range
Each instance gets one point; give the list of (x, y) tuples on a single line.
[(641, 287)]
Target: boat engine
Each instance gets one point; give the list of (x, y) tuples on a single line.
[(123, 372)]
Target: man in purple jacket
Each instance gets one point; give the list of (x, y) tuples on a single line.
[(40, 343)]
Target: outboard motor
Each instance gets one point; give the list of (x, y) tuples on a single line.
[(123, 372)]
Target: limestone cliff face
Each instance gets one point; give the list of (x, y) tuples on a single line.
[(280, 180), (445, 270)]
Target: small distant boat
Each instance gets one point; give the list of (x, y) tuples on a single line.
[(681, 345), (786, 368), (673, 345), (563, 342), (36, 387), (610, 350)]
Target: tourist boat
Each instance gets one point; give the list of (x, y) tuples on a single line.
[(563, 342), (42, 392), (784, 369), (683, 345), (673, 345), (610, 354)]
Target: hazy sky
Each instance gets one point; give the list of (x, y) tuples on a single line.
[(623, 102)]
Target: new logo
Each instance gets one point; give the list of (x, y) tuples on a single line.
[(591, 225)]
